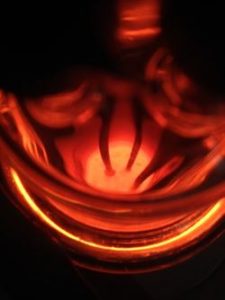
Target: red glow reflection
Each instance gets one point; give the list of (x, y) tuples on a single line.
[(138, 21), (198, 228)]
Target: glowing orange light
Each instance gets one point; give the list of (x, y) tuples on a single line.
[(139, 21), (65, 109), (194, 231), (122, 179), (29, 138)]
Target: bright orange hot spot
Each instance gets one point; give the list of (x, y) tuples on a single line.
[(121, 180)]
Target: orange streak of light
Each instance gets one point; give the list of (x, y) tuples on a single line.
[(194, 231), (138, 21), (139, 33)]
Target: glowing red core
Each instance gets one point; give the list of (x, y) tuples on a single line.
[(121, 180)]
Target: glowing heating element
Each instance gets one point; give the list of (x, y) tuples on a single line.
[(208, 220), (121, 179)]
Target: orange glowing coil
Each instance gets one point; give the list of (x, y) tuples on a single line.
[(201, 226)]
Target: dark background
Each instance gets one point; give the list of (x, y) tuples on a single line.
[(37, 43), (35, 46)]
